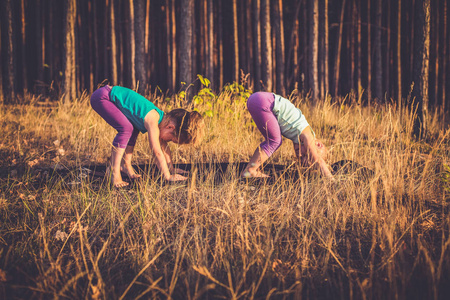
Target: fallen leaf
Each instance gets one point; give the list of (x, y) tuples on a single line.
[(32, 163), (61, 236)]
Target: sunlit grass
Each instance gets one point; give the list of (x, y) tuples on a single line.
[(71, 237)]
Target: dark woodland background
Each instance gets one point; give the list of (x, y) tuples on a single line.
[(373, 51)]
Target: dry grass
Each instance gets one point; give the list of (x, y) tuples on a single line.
[(384, 238)]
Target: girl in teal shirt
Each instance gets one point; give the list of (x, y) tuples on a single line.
[(130, 113)]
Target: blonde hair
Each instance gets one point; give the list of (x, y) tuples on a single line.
[(189, 126)]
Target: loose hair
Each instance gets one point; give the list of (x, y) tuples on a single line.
[(189, 126)]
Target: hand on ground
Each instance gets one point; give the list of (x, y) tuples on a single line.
[(181, 171)]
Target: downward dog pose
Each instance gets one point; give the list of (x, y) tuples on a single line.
[(276, 116), (128, 112)]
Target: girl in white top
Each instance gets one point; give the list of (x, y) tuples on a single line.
[(276, 116)]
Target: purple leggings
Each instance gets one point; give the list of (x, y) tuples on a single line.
[(260, 106), (126, 133)]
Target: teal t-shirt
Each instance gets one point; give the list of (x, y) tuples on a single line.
[(134, 106)]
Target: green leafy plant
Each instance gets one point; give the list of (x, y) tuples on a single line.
[(238, 91), (205, 97)]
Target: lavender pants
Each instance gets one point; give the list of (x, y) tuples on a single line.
[(126, 133), (260, 106)]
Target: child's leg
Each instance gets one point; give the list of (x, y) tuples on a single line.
[(116, 158), (252, 168), (113, 116), (260, 106), (126, 165)]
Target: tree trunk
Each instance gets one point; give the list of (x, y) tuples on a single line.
[(1, 73), (185, 55), (148, 67), (257, 43), (241, 11), (140, 61), (436, 31), (168, 45), (359, 51), (173, 36), (120, 42), (280, 58), (49, 61), (83, 42), (249, 37), (386, 92), (131, 41), (23, 47), (104, 41), (97, 54), (444, 62), (369, 55), (352, 41), (235, 44), (421, 66), (314, 46), (294, 44), (77, 47), (321, 47), (202, 37), (220, 42), (194, 42), (325, 56), (304, 55), (378, 58), (112, 30), (1, 62), (147, 26), (7, 52), (267, 46), (337, 63), (399, 56), (411, 40), (69, 74), (210, 47)]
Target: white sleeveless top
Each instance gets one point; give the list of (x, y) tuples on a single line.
[(291, 119)]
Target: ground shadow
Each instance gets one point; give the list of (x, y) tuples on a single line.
[(215, 172)]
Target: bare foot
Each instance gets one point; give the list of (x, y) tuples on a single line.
[(121, 184), (129, 170), (254, 174), (116, 178)]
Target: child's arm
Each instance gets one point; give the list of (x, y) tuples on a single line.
[(151, 124), (308, 140), (297, 150), (168, 155)]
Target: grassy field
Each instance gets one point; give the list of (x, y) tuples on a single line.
[(386, 237)]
